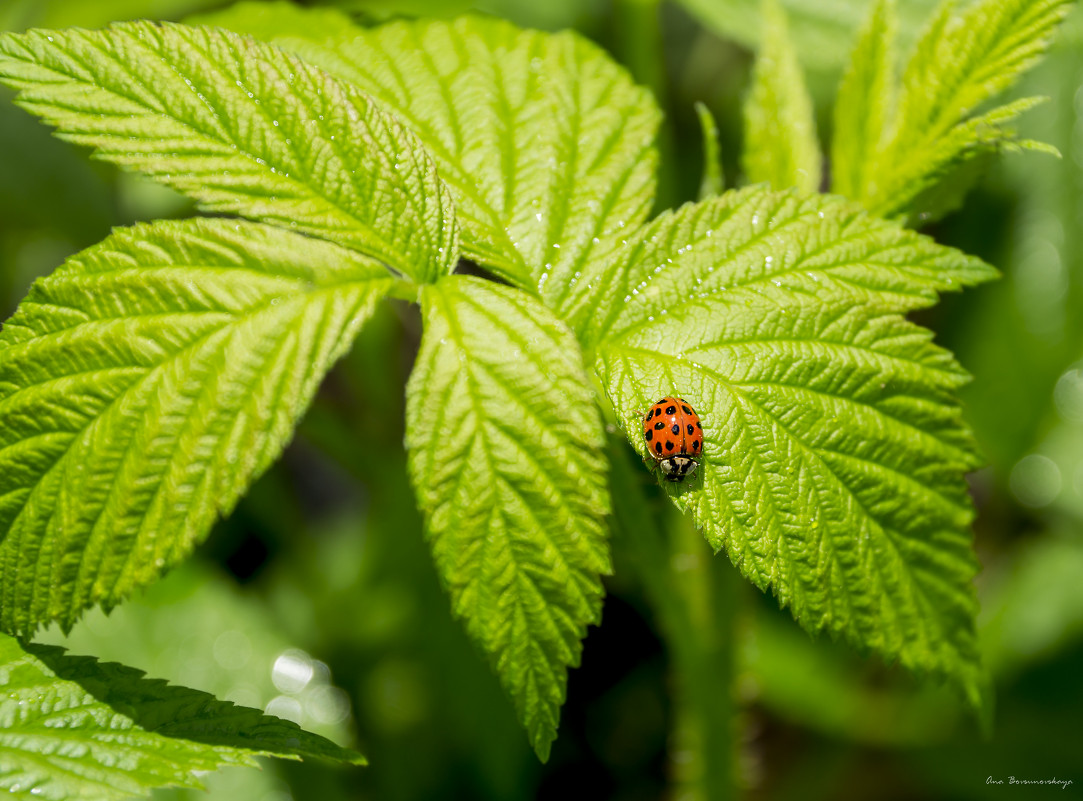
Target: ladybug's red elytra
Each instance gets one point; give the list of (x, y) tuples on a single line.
[(674, 437)]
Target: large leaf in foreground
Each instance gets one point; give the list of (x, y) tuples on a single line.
[(834, 449), (73, 727), (546, 143), (504, 436), (243, 128), (143, 386)]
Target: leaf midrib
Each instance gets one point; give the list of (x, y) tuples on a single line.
[(456, 333)]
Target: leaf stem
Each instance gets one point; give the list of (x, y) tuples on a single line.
[(695, 595), (708, 589)]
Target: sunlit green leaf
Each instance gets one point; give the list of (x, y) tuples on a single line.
[(780, 132), (243, 128), (822, 29), (73, 727), (143, 386), (865, 103), (545, 142), (834, 449), (504, 438), (964, 59)]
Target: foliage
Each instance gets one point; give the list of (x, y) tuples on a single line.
[(503, 435), (902, 140), (74, 727), (780, 132), (151, 379)]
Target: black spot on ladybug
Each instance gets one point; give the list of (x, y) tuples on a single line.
[(658, 447), (686, 410), (671, 410), (691, 429), (659, 425), (669, 445), (695, 445), (650, 414), (699, 426), (676, 429), (649, 435)]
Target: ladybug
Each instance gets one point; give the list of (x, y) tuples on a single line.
[(674, 437)]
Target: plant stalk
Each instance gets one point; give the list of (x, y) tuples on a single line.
[(696, 595)]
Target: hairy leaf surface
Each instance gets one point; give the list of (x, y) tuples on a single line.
[(546, 143), (143, 386), (503, 433), (963, 59), (73, 727), (243, 128), (780, 132), (834, 448)]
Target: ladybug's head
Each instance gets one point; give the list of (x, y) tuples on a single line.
[(677, 468)]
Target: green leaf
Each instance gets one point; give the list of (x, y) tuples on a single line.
[(865, 102), (504, 443), (963, 60), (822, 29), (780, 133), (834, 448), (546, 144), (73, 727), (143, 386), (243, 128), (712, 182)]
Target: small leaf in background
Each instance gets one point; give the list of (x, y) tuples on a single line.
[(865, 103), (505, 446), (821, 30), (243, 128), (73, 727), (197, 628), (143, 386), (545, 142), (963, 59), (780, 132), (834, 447), (712, 182)]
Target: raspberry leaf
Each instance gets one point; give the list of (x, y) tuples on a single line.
[(964, 58), (74, 727), (780, 132), (143, 386), (244, 128), (504, 442), (546, 144), (834, 448)]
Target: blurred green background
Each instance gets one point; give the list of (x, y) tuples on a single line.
[(317, 599)]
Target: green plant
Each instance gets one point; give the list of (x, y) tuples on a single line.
[(147, 382)]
